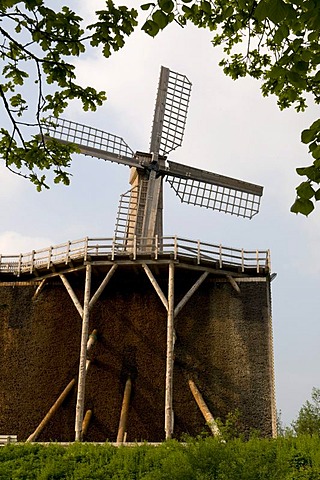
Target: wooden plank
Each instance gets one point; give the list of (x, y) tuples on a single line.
[(7, 439)]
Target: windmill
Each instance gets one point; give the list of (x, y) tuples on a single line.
[(140, 209)]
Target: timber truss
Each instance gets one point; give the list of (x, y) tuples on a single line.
[(97, 256)]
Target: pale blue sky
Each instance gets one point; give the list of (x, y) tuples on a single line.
[(231, 130)]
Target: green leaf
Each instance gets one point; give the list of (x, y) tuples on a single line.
[(205, 6), (160, 19), (281, 34), (166, 5), (146, 6), (261, 10), (305, 191), (316, 152), (302, 206), (308, 136), (151, 28)]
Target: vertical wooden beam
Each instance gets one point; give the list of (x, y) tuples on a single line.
[(83, 356), (170, 359), (124, 411)]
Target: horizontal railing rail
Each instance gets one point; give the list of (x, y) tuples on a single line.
[(116, 247)]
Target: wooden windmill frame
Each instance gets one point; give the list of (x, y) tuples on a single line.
[(138, 242), (140, 211)]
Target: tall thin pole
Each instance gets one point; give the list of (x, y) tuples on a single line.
[(83, 356), (170, 359)]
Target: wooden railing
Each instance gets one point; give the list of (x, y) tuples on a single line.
[(154, 247)]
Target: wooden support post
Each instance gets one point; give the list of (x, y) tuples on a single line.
[(155, 285), (32, 438), (103, 285), (52, 411), (86, 422), (189, 294), (233, 283), (73, 296), (39, 289), (124, 411), (83, 356), (204, 409), (170, 359)]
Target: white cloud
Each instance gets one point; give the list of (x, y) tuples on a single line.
[(12, 243)]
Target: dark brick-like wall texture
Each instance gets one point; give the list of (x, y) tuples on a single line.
[(223, 343)]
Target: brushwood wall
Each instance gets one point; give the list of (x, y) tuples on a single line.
[(223, 342)]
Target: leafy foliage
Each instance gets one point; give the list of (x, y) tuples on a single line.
[(276, 41), (205, 458), (308, 421), (37, 46)]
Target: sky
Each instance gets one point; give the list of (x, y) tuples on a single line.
[(231, 130)]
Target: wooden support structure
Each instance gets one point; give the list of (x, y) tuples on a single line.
[(171, 315), (73, 296), (39, 289), (83, 356), (155, 285), (124, 411), (189, 294), (85, 423), (233, 283), (212, 424), (169, 357), (55, 407)]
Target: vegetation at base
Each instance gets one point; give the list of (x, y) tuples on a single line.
[(291, 458)]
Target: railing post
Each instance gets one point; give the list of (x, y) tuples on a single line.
[(220, 255), (113, 247), (199, 253), (32, 260), (175, 247), (257, 258), (156, 247), (19, 264), (68, 252), (86, 248), (134, 247), (242, 260), (49, 257)]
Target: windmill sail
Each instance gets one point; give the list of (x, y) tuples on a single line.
[(170, 113), (168, 127), (140, 208), (217, 192), (91, 141)]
